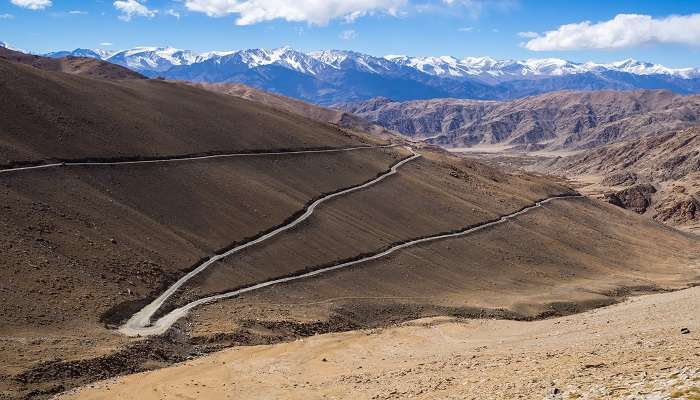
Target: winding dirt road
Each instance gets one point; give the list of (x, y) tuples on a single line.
[(187, 158), (140, 323)]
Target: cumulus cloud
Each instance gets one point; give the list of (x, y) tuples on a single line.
[(348, 35), (317, 12), (173, 13), (77, 12), (625, 30), (6, 16), (106, 44), (132, 8), (32, 4)]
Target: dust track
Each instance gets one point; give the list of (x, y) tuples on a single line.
[(140, 324), (172, 159)]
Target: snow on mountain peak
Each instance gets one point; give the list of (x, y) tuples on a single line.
[(161, 59)]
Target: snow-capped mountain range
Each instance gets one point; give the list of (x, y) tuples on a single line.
[(499, 69), (163, 58), (330, 76)]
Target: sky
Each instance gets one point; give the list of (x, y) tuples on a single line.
[(665, 32)]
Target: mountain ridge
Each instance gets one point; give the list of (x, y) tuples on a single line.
[(432, 65), (571, 120), (337, 76)]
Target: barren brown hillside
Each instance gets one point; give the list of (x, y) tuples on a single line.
[(62, 116), (86, 246)]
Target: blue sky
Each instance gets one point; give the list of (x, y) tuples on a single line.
[(497, 28)]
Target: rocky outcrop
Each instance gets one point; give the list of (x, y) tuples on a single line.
[(624, 178), (680, 212), (636, 198), (680, 204)]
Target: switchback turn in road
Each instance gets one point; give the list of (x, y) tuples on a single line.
[(140, 324)]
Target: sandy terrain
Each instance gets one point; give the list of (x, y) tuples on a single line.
[(628, 350)]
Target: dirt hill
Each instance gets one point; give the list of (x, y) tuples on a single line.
[(85, 245), (62, 116)]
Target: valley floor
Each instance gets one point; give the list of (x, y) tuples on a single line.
[(647, 347)]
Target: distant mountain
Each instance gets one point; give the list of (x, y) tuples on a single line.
[(491, 70), (335, 76), (553, 121), (89, 53)]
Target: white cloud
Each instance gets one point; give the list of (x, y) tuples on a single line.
[(466, 29), (173, 13), (348, 35), (625, 30), (106, 44), (318, 12), (6, 16), (528, 35), (77, 12), (32, 4), (131, 8)]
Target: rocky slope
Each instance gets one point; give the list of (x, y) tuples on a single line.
[(658, 174), (562, 120)]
